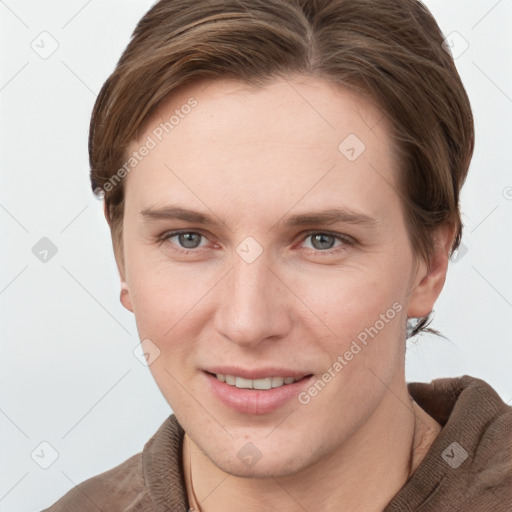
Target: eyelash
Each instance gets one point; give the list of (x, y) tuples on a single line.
[(164, 237)]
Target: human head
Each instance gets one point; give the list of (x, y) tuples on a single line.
[(390, 52), (387, 77)]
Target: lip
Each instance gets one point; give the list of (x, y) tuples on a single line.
[(261, 373), (255, 401)]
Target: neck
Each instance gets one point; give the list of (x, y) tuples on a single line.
[(362, 474)]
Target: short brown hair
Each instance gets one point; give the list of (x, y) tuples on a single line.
[(390, 51)]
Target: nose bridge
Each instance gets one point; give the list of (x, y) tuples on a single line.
[(251, 306)]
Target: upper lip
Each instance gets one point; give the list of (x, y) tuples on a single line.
[(257, 373)]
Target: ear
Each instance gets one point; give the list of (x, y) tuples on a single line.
[(124, 295), (430, 281)]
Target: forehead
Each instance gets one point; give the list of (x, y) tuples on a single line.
[(307, 106), (232, 143)]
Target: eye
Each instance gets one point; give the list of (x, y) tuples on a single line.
[(320, 241), (184, 239), (324, 241)]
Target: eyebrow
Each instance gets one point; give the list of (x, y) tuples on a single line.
[(329, 216)]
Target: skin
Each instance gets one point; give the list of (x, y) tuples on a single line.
[(253, 156)]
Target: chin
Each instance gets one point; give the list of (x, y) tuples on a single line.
[(258, 456), (265, 467)]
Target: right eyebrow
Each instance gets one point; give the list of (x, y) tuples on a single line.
[(177, 213)]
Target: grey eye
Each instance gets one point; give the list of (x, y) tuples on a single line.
[(322, 241), (189, 240)]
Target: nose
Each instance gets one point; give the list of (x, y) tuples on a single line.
[(253, 304)]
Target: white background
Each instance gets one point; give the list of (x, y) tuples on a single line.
[(68, 373)]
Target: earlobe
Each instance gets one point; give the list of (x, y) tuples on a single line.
[(124, 297), (431, 280)]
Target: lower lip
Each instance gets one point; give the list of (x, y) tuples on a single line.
[(255, 401)]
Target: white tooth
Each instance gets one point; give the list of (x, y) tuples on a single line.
[(277, 381), (243, 383), (265, 383)]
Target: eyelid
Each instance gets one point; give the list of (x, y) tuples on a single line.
[(341, 236)]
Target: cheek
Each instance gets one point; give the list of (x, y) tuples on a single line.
[(163, 295), (352, 299), (360, 317), (164, 302)]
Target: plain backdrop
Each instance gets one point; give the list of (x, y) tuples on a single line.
[(69, 375)]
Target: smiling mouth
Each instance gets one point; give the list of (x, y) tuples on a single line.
[(259, 384)]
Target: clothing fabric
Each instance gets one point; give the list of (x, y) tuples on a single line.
[(468, 468)]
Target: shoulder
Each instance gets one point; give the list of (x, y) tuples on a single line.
[(481, 444), (468, 465), (146, 481), (118, 489), (491, 467)]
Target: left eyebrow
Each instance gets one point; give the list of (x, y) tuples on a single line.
[(327, 217)]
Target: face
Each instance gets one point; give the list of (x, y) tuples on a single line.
[(264, 238)]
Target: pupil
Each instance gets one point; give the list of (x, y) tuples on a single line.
[(187, 240), (323, 240)]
